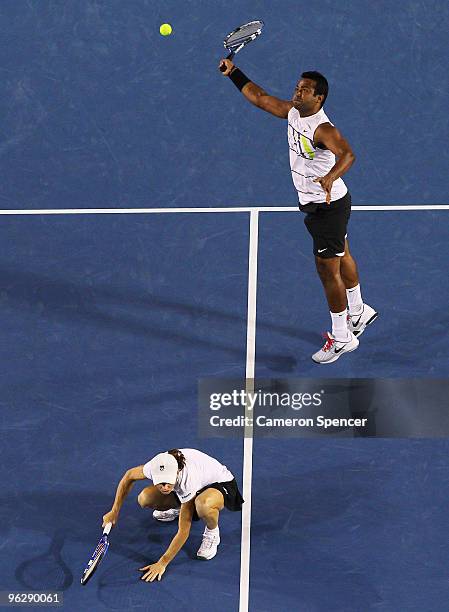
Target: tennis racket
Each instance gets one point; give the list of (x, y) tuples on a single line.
[(240, 37), (97, 556)]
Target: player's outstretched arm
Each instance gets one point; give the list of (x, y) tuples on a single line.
[(124, 487), (156, 570), (254, 93)]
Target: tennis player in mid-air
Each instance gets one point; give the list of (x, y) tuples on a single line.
[(188, 485), (319, 156)]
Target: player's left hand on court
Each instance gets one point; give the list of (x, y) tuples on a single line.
[(326, 183), (153, 571)]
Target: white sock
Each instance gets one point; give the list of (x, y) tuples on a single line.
[(213, 532), (340, 329), (355, 302)]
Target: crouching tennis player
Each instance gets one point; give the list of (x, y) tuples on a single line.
[(188, 485)]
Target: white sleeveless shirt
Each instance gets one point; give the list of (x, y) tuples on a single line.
[(308, 162)]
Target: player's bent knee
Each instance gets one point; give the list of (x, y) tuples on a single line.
[(199, 503), (203, 506), (145, 499)]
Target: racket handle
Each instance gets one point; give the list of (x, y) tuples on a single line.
[(229, 57), (107, 528)]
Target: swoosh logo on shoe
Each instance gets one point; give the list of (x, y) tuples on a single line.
[(358, 321), (337, 350)]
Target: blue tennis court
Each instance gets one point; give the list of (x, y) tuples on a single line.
[(106, 334), (150, 238)]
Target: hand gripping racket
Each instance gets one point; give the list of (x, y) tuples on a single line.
[(240, 37), (97, 556)]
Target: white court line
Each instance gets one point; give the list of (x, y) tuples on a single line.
[(223, 209), (245, 547)]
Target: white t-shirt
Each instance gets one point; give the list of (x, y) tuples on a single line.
[(200, 470), (308, 162)]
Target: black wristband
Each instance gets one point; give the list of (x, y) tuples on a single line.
[(239, 79)]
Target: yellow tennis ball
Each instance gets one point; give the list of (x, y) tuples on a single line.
[(165, 29)]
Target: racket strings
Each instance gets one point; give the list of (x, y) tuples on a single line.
[(243, 34), (101, 547)]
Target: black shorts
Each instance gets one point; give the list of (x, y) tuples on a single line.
[(327, 224), (233, 499)]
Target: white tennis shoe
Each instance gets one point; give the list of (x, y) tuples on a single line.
[(209, 545), (334, 349), (166, 515), (358, 323)]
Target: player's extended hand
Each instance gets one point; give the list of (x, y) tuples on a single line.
[(228, 67), (110, 517), (153, 571), (326, 183)]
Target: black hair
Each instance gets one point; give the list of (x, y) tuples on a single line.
[(178, 456), (321, 84)]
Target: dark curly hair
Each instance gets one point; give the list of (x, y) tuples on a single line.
[(176, 453)]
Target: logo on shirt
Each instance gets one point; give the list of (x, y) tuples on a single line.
[(161, 468), (300, 144)]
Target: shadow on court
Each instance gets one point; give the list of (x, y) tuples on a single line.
[(49, 570), (137, 541), (121, 311)]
